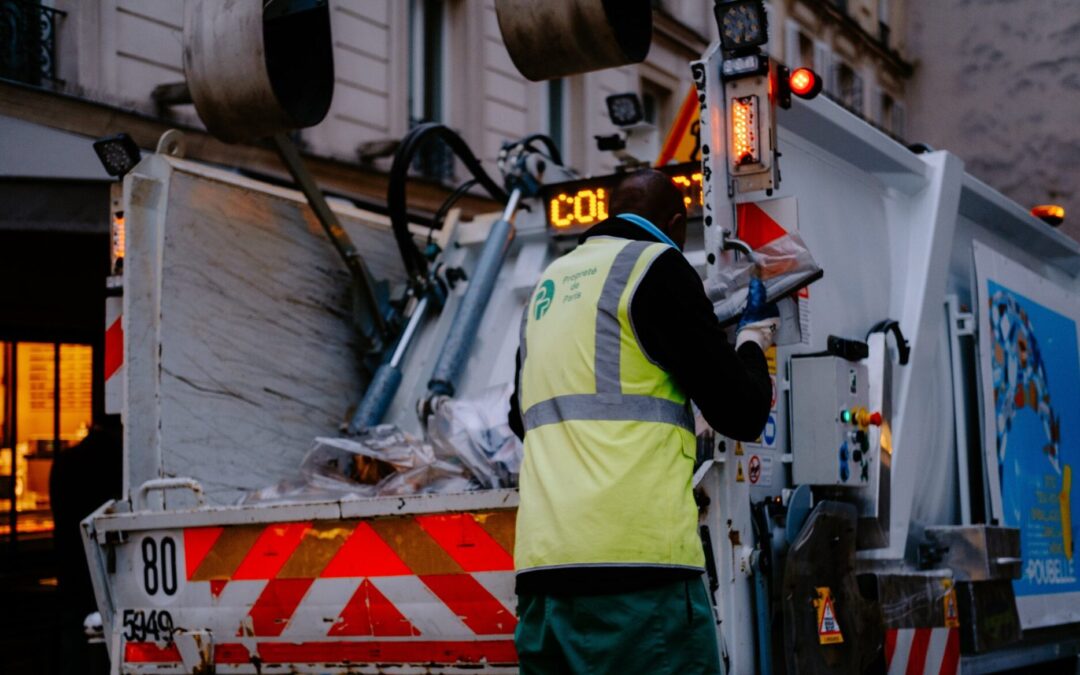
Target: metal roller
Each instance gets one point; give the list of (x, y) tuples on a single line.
[(557, 38), (258, 68)]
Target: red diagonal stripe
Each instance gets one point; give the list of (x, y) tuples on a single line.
[(372, 651), (916, 662), (114, 348), (476, 607), (756, 228), (467, 543), (197, 543), (271, 612), (368, 612), (678, 130), (148, 652), (950, 662), (270, 551), (365, 554), (890, 646)]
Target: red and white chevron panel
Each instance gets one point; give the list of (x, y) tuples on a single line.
[(425, 589), (922, 651)]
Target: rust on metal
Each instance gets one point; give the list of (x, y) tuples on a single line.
[(228, 552)]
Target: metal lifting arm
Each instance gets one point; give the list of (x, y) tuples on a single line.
[(369, 318), (467, 321)]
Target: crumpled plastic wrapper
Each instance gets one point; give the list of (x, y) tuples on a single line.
[(475, 432), (784, 266), (471, 448)]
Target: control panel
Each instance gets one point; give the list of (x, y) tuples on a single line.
[(831, 422)]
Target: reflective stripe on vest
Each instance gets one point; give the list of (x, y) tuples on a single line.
[(608, 403), (610, 447)]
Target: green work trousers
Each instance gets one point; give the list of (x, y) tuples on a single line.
[(664, 630)]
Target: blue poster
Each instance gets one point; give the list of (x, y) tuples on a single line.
[(1035, 369)]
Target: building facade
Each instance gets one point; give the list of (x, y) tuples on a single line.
[(856, 46)]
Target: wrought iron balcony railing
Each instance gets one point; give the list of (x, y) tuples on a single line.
[(28, 41)]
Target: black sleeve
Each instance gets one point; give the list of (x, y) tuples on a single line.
[(517, 425), (674, 321)]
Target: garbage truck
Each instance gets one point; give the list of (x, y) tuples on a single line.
[(907, 508)]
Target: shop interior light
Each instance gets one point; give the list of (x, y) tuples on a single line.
[(743, 24), (625, 109), (118, 154), (1052, 214), (805, 83), (745, 148)]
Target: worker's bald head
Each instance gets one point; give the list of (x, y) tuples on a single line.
[(651, 195)]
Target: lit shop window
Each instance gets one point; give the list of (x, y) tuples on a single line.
[(46, 396)]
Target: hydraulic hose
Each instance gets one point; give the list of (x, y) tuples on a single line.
[(552, 150), (416, 265)]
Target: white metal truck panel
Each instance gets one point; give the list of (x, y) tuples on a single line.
[(240, 347)]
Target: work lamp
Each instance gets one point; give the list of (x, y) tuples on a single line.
[(625, 109), (743, 24), (118, 154), (738, 66)]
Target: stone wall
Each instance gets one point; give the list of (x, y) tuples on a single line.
[(998, 83)]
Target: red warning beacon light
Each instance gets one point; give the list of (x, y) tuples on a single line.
[(805, 83)]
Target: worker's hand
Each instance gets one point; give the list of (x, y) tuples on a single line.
[(760, 320)]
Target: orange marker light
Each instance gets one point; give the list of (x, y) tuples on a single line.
[(118, 235), (1049, 213)]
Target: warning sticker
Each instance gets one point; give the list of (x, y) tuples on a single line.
[(740, 475), (760, 470), (755, 469), (739, 449), (828, 626), (952, 615), (804, 315), (768, 436), (767, 439)]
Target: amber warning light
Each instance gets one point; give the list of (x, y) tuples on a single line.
[(744, 130), (1051, 214)]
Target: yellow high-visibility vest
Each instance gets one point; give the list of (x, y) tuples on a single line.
[(609, 436)]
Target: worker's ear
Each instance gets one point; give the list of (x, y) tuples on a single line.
[(676, 229)]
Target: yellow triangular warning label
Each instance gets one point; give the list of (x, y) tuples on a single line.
[(740, 475), (828, 627), (739, 451), (952, 616)]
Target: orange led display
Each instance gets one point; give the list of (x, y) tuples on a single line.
[(584, 207), (691, 189), (578, 205)]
